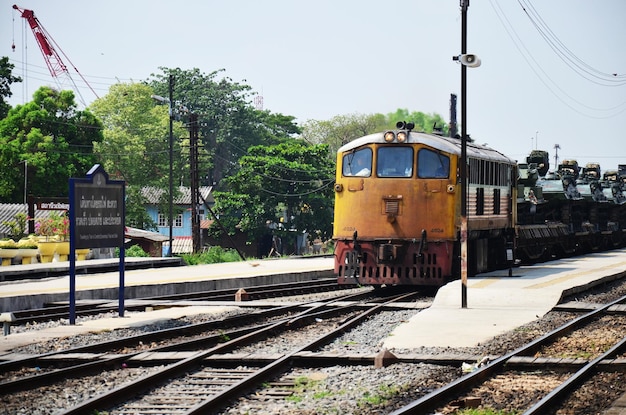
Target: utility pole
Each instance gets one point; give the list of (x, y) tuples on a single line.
[(195, 191), (556, 156), (464, 230), (170, 213)]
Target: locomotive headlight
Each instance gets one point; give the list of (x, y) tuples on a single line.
[(389, 136), (402, 136)]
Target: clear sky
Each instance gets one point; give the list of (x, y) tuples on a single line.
[(316, 60)]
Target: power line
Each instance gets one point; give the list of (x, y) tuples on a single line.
[(566, 55), (543, 76)]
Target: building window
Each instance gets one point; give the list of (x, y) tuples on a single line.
[(163, 222), (178, 221)]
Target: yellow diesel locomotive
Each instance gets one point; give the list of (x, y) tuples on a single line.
[(397, 209)]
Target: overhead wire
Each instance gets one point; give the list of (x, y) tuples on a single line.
[(566, 55), (44, 76), (537, 68)]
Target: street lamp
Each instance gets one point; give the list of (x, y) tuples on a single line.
[(25, 178), (466, 61), (171, 150)]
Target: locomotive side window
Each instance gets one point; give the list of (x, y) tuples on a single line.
[(358, 163), (396, 161), (432, 165)]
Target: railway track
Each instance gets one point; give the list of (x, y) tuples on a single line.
[(526, 377), (186, 346), (186, 377), (166, 340), (553, 356), (89, 308)]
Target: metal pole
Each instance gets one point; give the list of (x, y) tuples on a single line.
[(25, 179), (171, 145), (193, 161), (464, 6)]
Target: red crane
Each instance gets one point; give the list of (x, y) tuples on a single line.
[(46, 44)]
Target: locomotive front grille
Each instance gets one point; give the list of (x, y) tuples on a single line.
[(392, 207)]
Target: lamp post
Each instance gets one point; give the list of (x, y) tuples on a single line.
[(25, 178), (171, 151), (471, 61)]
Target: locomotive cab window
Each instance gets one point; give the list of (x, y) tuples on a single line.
[(432, 165), (394, 161), (358, 163)]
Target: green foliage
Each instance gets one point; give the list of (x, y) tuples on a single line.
[(6, 79), (215, 255), (342, 129), (303, 384), (382, 395), (485, 411), (136, 136), (52, 138), (17, 226), (136, 214), (229, 123), (423, 122), (135, 251), (291, 180)]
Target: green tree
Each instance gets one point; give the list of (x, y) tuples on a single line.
[(291, 180), (136, 214), (342, 129), (6, 79), (54, 140), (135, 147), (229, 123), (423, 122)]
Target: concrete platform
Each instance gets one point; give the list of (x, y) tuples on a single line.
[(497, 303), (26, 294)]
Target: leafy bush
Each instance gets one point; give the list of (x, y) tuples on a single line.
[(216, 254), (134, 251)]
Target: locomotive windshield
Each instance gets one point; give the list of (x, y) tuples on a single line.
[(432, 165), (358, 163), (394, 161)]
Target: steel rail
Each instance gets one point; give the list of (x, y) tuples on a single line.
[(282, 364), (256, 292), (147, 382), (435, 399), (561, 391)]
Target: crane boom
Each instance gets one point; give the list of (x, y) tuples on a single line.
[(46, 44)]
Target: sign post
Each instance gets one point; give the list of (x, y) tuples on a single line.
[(97, 218)]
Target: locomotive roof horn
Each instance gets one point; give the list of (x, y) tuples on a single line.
[(403, 125)]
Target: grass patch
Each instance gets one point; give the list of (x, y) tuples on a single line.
[(484, 411), (381, 395)]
